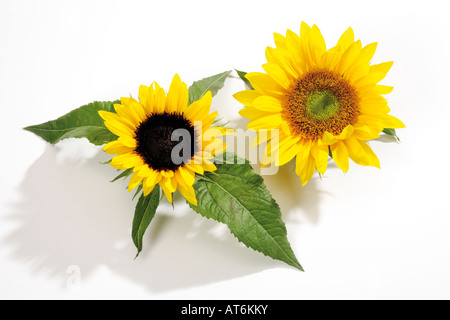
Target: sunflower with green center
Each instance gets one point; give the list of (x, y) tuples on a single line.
[(321, 102), (146, 131)]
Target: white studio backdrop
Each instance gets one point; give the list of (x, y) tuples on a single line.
[(65, 229)]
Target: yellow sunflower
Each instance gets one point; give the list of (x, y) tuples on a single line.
[(146, 143), (321, 101)]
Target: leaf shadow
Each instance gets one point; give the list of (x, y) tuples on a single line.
[(70, 214)]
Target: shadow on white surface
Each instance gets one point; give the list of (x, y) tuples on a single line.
[(298, 204), (70, 215)]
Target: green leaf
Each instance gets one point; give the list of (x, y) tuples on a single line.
[(138, 190), (124, 174), (242, 74), (83, 122), (213, 84), (238, 197), (391, 132), (145, 211)]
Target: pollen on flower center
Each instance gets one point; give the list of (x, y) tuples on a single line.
[(320, 101), (154, 140)]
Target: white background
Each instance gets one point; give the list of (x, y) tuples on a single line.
[(65, 229)]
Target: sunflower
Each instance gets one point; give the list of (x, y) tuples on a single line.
[(321, 102), (148, 136)]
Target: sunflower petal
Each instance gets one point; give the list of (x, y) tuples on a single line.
[(308, 170), (178, 95), (340, 155), (187, 175), (246, 97), (360, 152), (134, 182), (272, 121), (267, 104), (188, 193)]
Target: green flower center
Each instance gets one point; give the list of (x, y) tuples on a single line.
[(322, 105)]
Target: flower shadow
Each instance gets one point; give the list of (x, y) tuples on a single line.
[(299, 204), (70, 215)]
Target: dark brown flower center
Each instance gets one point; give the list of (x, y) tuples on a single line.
[(166, 141)]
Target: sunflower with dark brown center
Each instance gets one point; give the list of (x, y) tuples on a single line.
[(164, 140)]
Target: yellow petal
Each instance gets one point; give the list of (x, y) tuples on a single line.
[(143, 171), (119, 129), (295, 49), (134, 182), (360, 152), (208, 166), (278, 75), (267, 104), (347, 132), (349, 58), (264, 83), (188, 193), (320, 154), (253, 113), (376, 105), (150, 100), (208, 120), (200, 108), (280, 41), (307, 171), (380, 89), (368, 52), (280, 57), (126, 161), (364, 132), (127, 141), (168, 185), (318, 45), (178, 95), (143, 94), (304, 29), (115, 147), (262, 136), (302, 156), (148, 187), (151, 180), (197, 168), (346, 39), (340, 155), (160, 99), (392, 122), (288, 149), (134, 110), (187, 175), (111, 116), (272, 121), (246, 97), (381, 67), (328, 138)]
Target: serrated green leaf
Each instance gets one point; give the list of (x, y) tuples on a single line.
[(241, 75), (238, 197), (83, 122), (144, 213), (213, 84)]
